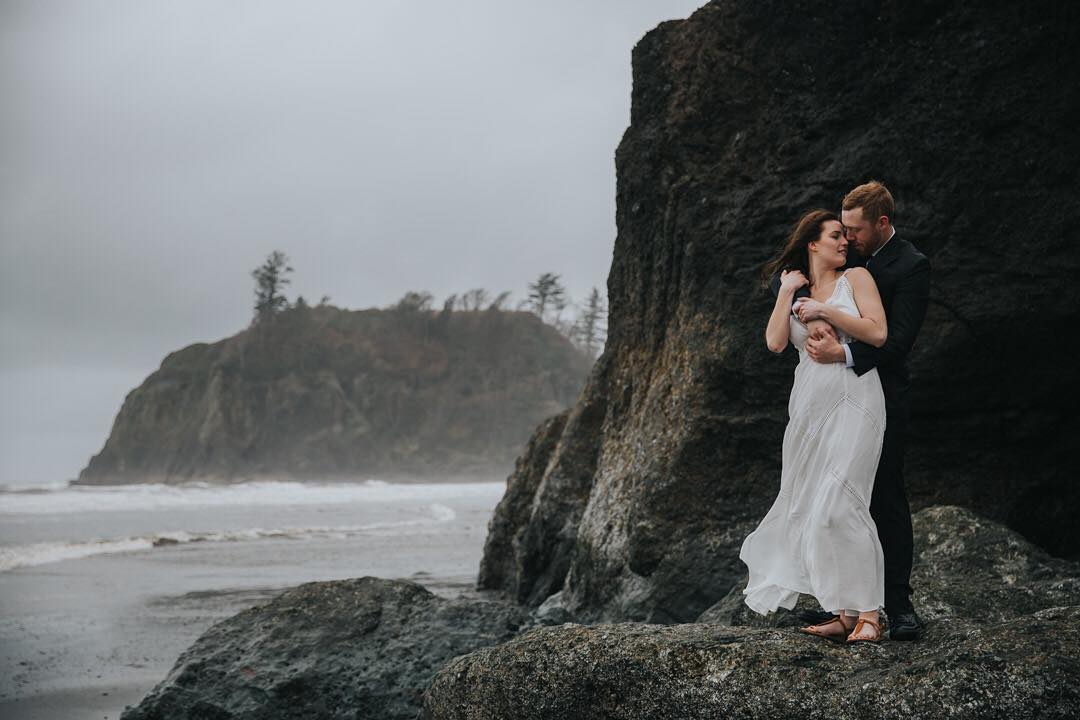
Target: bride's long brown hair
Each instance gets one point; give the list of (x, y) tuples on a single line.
[(794, 255)]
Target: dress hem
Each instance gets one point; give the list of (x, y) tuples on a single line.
[(786, 591)]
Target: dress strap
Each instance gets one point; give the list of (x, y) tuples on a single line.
[(848, 290)]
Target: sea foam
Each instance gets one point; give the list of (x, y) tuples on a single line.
[(48, 499), (16, 556)]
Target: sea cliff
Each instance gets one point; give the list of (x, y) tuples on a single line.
[(321, 392), (744, 116)]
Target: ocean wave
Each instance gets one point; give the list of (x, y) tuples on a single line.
[(34, 489), (17, 556), (55, 498)]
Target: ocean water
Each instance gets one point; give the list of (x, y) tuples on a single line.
[(101, 588)]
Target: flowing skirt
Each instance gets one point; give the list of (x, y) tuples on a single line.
[(818, 537)]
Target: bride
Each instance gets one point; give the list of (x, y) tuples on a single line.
[(818, 536)]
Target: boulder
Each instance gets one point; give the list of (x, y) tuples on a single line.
[(1020, 670), (1002, 641), (359, 648)]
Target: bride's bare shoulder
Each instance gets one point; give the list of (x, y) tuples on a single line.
[(859, 275), (862, 284)]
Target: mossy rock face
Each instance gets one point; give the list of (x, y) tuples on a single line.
[(324, 393)]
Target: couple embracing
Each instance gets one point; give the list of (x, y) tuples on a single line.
[(851, 295)]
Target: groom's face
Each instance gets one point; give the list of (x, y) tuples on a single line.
[(863, 235)]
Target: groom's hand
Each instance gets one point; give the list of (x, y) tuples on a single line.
[(817, 328), (825, 349)]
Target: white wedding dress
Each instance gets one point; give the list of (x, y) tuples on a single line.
[(818, 536)]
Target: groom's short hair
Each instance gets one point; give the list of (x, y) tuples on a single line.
[(874, 199)]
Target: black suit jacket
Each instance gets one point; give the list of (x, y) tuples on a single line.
[(902, 274)]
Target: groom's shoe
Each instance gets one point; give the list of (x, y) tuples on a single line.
[(905, 626)]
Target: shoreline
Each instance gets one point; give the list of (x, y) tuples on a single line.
[(489, 475), (75, 629), (90, 701)]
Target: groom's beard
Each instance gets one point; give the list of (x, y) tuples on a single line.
[(876, 241), (879, 240)]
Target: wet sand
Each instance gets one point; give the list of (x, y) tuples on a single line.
[(85, 638)]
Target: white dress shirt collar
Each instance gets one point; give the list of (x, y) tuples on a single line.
[(884, 243)]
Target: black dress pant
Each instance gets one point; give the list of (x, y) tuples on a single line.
[(890, 511)]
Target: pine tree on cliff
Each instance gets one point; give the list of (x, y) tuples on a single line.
[(547, 292), (415, 301), (474, 299), (498, 302), (269, 281), (588, 331)]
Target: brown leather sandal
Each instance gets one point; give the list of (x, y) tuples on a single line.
[(858, 626), (816, 629)]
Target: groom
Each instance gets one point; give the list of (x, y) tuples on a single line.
[(902, 274)]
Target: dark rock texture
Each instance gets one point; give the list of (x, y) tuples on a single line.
[(533, 532), (1012, 671), (1002, 641), (360, 648), (743, 116), (326, 393)]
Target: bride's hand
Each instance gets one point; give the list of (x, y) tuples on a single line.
[(808, 310), (792, 279)]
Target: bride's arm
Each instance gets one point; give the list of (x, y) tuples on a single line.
[(778, 330), (871, 328), (816, 327)]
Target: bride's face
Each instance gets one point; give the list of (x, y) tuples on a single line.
[(831, 246)]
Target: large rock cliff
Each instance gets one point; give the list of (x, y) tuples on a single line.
[(319, 392), (743, 116)]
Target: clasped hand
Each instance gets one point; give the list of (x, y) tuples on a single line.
[(822, 345), (808, 309)]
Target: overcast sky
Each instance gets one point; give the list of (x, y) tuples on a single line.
[(152, 153)]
